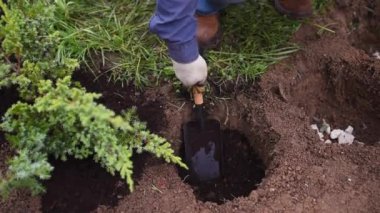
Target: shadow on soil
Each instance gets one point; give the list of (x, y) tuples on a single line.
[(8, 97), (84, 186), (81, 186)]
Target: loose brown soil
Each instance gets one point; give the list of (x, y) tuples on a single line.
[(334, 77)]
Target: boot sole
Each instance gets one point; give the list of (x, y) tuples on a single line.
[(289, 13)]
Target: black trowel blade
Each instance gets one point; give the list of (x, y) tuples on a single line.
[(203, 150)]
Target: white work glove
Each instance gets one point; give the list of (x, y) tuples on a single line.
[(191, 73)]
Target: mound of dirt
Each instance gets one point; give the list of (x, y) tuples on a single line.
[(334, 77)]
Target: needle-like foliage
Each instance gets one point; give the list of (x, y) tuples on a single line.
[(66, 121), (29, 43), (38, 56)]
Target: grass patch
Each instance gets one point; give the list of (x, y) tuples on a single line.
[(113, 36), (255, 36)]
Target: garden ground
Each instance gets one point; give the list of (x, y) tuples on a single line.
[(334, 77)]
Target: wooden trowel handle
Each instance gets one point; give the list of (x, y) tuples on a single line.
[(198, 94)]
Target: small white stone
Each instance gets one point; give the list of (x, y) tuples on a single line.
[(314, 127), (335, 133), (325, 127), (346, 138), (376, 55), (349, 130), (320, 136), (360, 143), (328, 141), (328, 130)]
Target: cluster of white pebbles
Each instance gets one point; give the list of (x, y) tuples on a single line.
[(339, 135)]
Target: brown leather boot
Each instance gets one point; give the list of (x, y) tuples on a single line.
[(296, 9), (208, 30)]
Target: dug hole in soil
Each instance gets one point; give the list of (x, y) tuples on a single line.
[(277, 162)]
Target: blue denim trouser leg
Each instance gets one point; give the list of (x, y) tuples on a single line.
[(213, 6)]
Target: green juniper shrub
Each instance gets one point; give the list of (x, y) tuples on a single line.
[(66, 121), (29, 44)]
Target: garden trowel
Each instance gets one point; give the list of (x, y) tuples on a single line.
[(203, 146)]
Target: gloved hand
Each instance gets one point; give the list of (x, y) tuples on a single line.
[(191, 73)]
